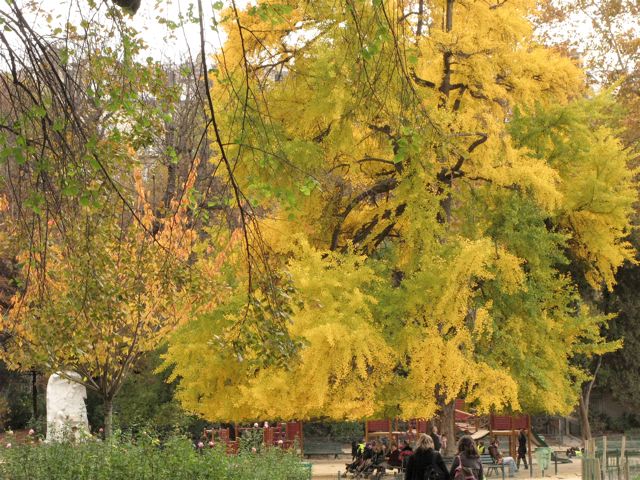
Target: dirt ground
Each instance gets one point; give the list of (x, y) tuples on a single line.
[(325, 469)]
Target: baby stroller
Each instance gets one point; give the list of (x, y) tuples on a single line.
[(375, 471), (359, 460), (368, 467)]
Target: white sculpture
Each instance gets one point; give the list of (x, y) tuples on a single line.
[(66, 410)]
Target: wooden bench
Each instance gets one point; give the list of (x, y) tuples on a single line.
[(322, 448), (489, 465)]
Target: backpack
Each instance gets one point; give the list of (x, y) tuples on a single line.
[(432, 472), (462, 472)]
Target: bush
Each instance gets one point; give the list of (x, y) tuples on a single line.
[(334, 431), (15, 399), (250, 440), (4, 413), (146, 403), (144, 459), (626, 422)]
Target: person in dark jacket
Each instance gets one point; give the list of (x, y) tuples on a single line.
[(393, 457), (522, 449), (377, 459), (405, 452), (423, 456), (469, 458), (437, 444)]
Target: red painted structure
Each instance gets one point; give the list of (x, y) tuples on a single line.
[(509, 426), (281, 435)]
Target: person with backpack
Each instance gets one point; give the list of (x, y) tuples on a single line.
[(425, 463), (467, 464)]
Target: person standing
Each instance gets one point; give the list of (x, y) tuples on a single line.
[(522, 449), (425, 458), (437, 444), (443, 443), (467, 463)]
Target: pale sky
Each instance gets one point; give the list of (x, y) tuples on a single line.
[(173, 46), (163, 43)]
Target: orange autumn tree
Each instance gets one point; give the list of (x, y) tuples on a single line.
[(110, 292), (103, 264)]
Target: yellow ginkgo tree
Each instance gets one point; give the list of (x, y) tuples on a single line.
[(430, 185)]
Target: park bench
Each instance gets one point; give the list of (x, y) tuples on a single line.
[(322, 448), (490, 466)]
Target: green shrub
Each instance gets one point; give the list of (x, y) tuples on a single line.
[(334, 431), (146, 458), (146, 403)]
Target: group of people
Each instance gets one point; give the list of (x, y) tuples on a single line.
[(425, 461), (378, 456)]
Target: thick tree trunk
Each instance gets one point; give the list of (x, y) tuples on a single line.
[(108, 417), (448, 427)]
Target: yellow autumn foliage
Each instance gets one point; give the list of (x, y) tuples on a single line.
[(430, 192)]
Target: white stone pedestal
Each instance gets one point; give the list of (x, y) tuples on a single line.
[(66, 410)]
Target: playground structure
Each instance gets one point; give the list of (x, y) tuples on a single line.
[(478, 427), (395, 430), (509, 426), (285, 435)]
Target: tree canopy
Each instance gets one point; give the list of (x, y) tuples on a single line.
[(351, 209), (427, 173)]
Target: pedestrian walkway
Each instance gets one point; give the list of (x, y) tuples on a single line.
[(327, 469)]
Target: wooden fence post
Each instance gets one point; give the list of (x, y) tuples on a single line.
[(623, 459), (605, 461)]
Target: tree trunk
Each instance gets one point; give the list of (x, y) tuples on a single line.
[(34, 394), (445, 87), (585, 399), (584, 419), (108, 417), (449, 16), (420, 18), (448, 427)]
